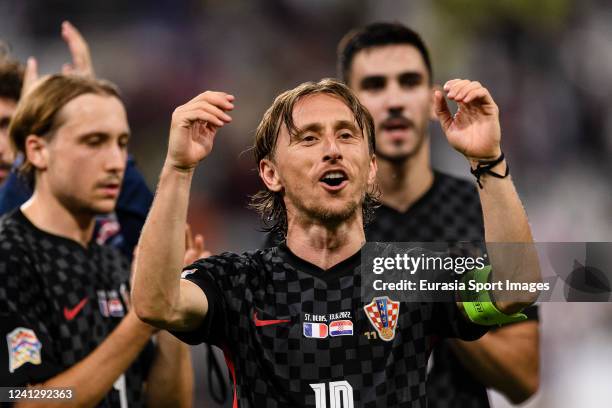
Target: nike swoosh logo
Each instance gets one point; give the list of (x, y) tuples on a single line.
[(70, 314), (260, 323)]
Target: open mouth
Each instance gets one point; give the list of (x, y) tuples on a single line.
[(334, 178)]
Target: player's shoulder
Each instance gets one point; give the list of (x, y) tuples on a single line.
[(14, 232)]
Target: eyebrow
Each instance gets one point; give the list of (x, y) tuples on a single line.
[(318, 128), (102, 134)]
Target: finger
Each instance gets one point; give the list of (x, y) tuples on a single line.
[(81, 57), (475, 94), (220, 99), (208, 107), (464, 90), (67, 69), (456, 87), (450, 83), (442, 112), (30, 75), (205, 254), (188, 237), (199, 244), (198, 115)]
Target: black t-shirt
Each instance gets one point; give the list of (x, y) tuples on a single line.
[(58, 302), (296, 336)]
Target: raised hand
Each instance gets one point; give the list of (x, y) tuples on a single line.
[(81, 59), (194, 247), (194, 126), (474, 130)]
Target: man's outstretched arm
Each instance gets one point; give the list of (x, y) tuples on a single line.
[(474, 131), (160, 297)]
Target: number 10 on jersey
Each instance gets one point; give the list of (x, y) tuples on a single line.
[(340, 394)]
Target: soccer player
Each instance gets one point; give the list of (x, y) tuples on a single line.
[(387, 65), (66, 315), (121, 228), (291, 318)]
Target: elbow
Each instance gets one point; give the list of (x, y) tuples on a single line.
[(149, 312)]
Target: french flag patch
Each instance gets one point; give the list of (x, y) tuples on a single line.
[(341, 328), (315, 330)]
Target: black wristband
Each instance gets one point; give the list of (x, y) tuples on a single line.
[(484, 167)]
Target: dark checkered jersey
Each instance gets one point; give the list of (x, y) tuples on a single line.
[(298, 336), (58, 302), (449, 211)]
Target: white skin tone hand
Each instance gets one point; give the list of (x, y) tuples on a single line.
[(474, 130), (194, 126), (194, 247), (81, 64)]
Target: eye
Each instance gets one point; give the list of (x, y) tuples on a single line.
[(410, 80), (123, 142), (309, 138), (346, 135), (375, 83), (93, 141)]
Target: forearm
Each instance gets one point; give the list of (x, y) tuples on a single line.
[(506, 359), (93, 377), (509, 241), (161, 248), (170, 381)]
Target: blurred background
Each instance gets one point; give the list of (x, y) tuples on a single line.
[(548, 65)]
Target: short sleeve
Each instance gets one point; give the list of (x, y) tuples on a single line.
[(215, 276), (28, 355)]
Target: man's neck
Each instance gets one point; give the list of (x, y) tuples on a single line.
[(48, 214), (402, 183), (322, 245)]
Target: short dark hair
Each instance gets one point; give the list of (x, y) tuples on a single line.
[(270, 205), (11, 75), (378, 35)]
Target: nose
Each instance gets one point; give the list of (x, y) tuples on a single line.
[(396, 99), (116, 160), (332, 150)]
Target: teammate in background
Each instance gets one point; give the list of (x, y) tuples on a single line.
[(315, 152), (64, 299), (121, 228), (388, 66), (11, 76)]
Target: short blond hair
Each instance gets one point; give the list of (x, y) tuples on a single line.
[(37, 111)]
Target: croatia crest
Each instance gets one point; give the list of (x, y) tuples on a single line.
[(383, 313), (24, 347)]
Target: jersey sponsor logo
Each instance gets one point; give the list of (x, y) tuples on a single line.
[(383, 313), (24, 347), (315, 330), (71, 313), (341, 328), (260, 323)]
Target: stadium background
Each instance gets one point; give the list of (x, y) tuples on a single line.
[(548, 65)]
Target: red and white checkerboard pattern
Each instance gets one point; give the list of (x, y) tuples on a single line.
[(374, 314)]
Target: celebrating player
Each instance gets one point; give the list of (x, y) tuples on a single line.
[(291, 318), (64, 298), (388, 67), (11, 75)]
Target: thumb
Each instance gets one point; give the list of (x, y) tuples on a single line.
[(442, 112)]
